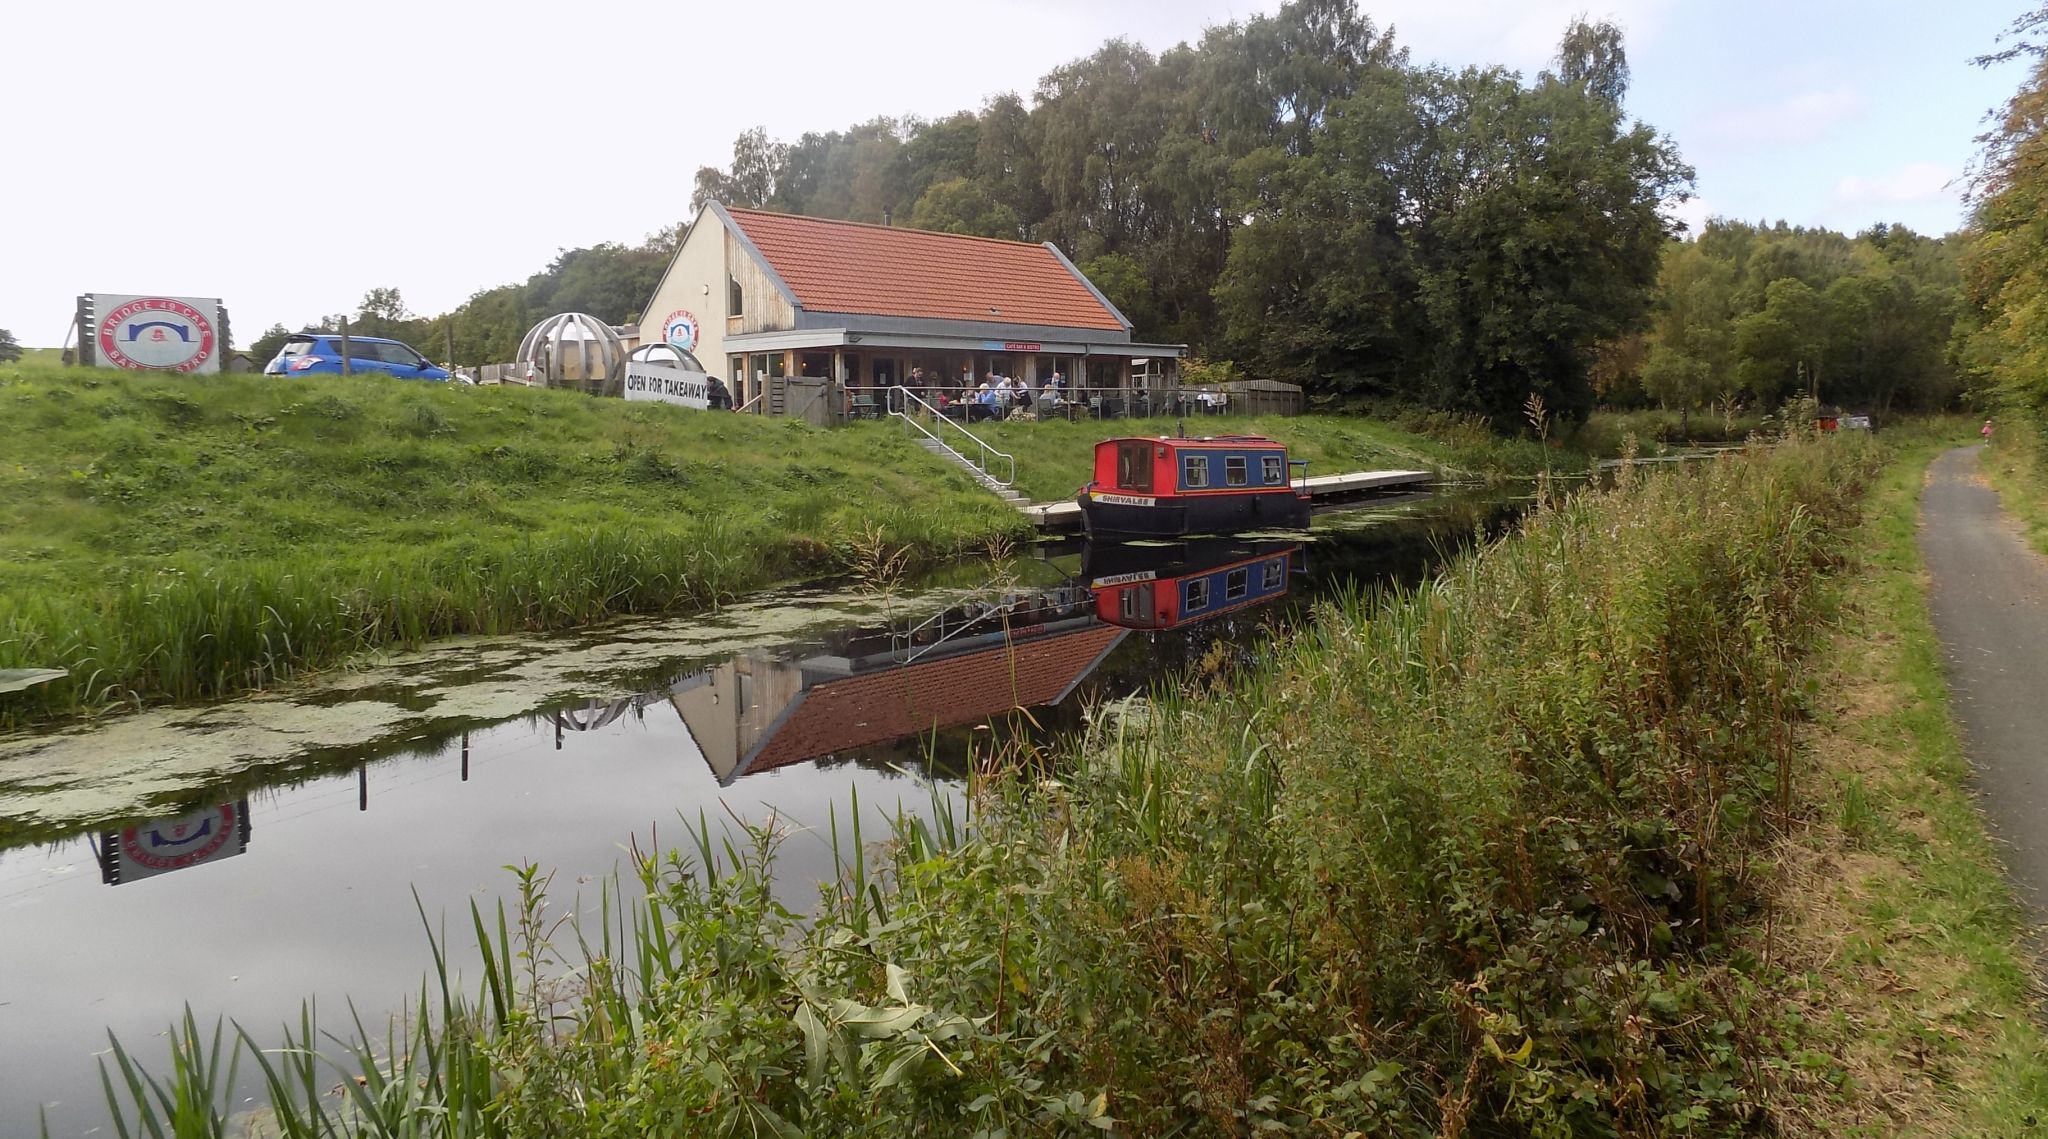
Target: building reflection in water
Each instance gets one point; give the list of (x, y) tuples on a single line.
[(972, 661)]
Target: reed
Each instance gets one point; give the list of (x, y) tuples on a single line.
[(1470, 857)]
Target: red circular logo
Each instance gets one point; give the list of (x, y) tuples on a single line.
[(158, 334), (174, 843)]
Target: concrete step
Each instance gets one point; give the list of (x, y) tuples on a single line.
[(982, 478)]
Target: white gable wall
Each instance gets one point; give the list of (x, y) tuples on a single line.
[(695, 283)]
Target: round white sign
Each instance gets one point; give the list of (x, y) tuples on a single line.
[(680, 330), (156, 334)]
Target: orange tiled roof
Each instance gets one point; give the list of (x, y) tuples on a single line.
[(895, 703), (843, 266)]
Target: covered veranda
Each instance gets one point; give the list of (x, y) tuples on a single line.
[(1095, 379)]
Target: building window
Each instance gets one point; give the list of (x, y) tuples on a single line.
[(1194, 471), (1127, 605), (1197, 598), (1276, 470), (1236, 470), (735, 297), (1236, 584), (1275, 576)]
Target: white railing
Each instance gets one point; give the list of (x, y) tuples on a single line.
[(950, 623), (904, 402)]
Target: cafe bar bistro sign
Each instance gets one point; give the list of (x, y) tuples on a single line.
[(156, 334)]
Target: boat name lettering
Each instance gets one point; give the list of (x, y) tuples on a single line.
[(1123, 579), (1125, 499)]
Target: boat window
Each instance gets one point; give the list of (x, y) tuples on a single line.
[(1134, 466), (1276, 573), (1236, 470), (1236, 584), (1276, 470), (1197, 597), (1194, 470)]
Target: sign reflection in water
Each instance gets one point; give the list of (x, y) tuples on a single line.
[(160, 846)]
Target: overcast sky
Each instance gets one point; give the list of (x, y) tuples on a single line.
[(288, 157)]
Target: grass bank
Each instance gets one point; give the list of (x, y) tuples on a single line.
[(171, 538), (1901, 942), (1487, 857)]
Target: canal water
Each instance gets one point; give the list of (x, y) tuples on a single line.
[(294, 875)]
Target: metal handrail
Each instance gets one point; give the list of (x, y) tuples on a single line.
[(908, 638), (900, 401)]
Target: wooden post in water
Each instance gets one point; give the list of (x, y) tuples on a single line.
[(465, 757), (363, 787)]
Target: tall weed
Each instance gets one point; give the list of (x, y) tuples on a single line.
[(1457, 859)]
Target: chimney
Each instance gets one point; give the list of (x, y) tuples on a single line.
[(887, 214)]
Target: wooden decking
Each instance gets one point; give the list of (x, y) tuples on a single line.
[(1061, 517)]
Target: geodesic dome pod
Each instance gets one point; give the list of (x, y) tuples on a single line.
[(576, 350)]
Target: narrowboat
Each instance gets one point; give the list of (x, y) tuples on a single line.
[(1169, 487), (1145, 587)]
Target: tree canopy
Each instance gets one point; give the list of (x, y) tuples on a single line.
[(1293, 192), (1762, 314), (2005, 269)]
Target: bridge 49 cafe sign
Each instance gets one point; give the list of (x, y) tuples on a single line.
[(155, 333)]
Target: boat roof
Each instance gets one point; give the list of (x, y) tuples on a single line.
[(1188, 440)]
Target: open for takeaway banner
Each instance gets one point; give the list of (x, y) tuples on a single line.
[(647, 380)]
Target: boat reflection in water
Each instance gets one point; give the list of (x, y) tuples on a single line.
[(1166, 587)]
